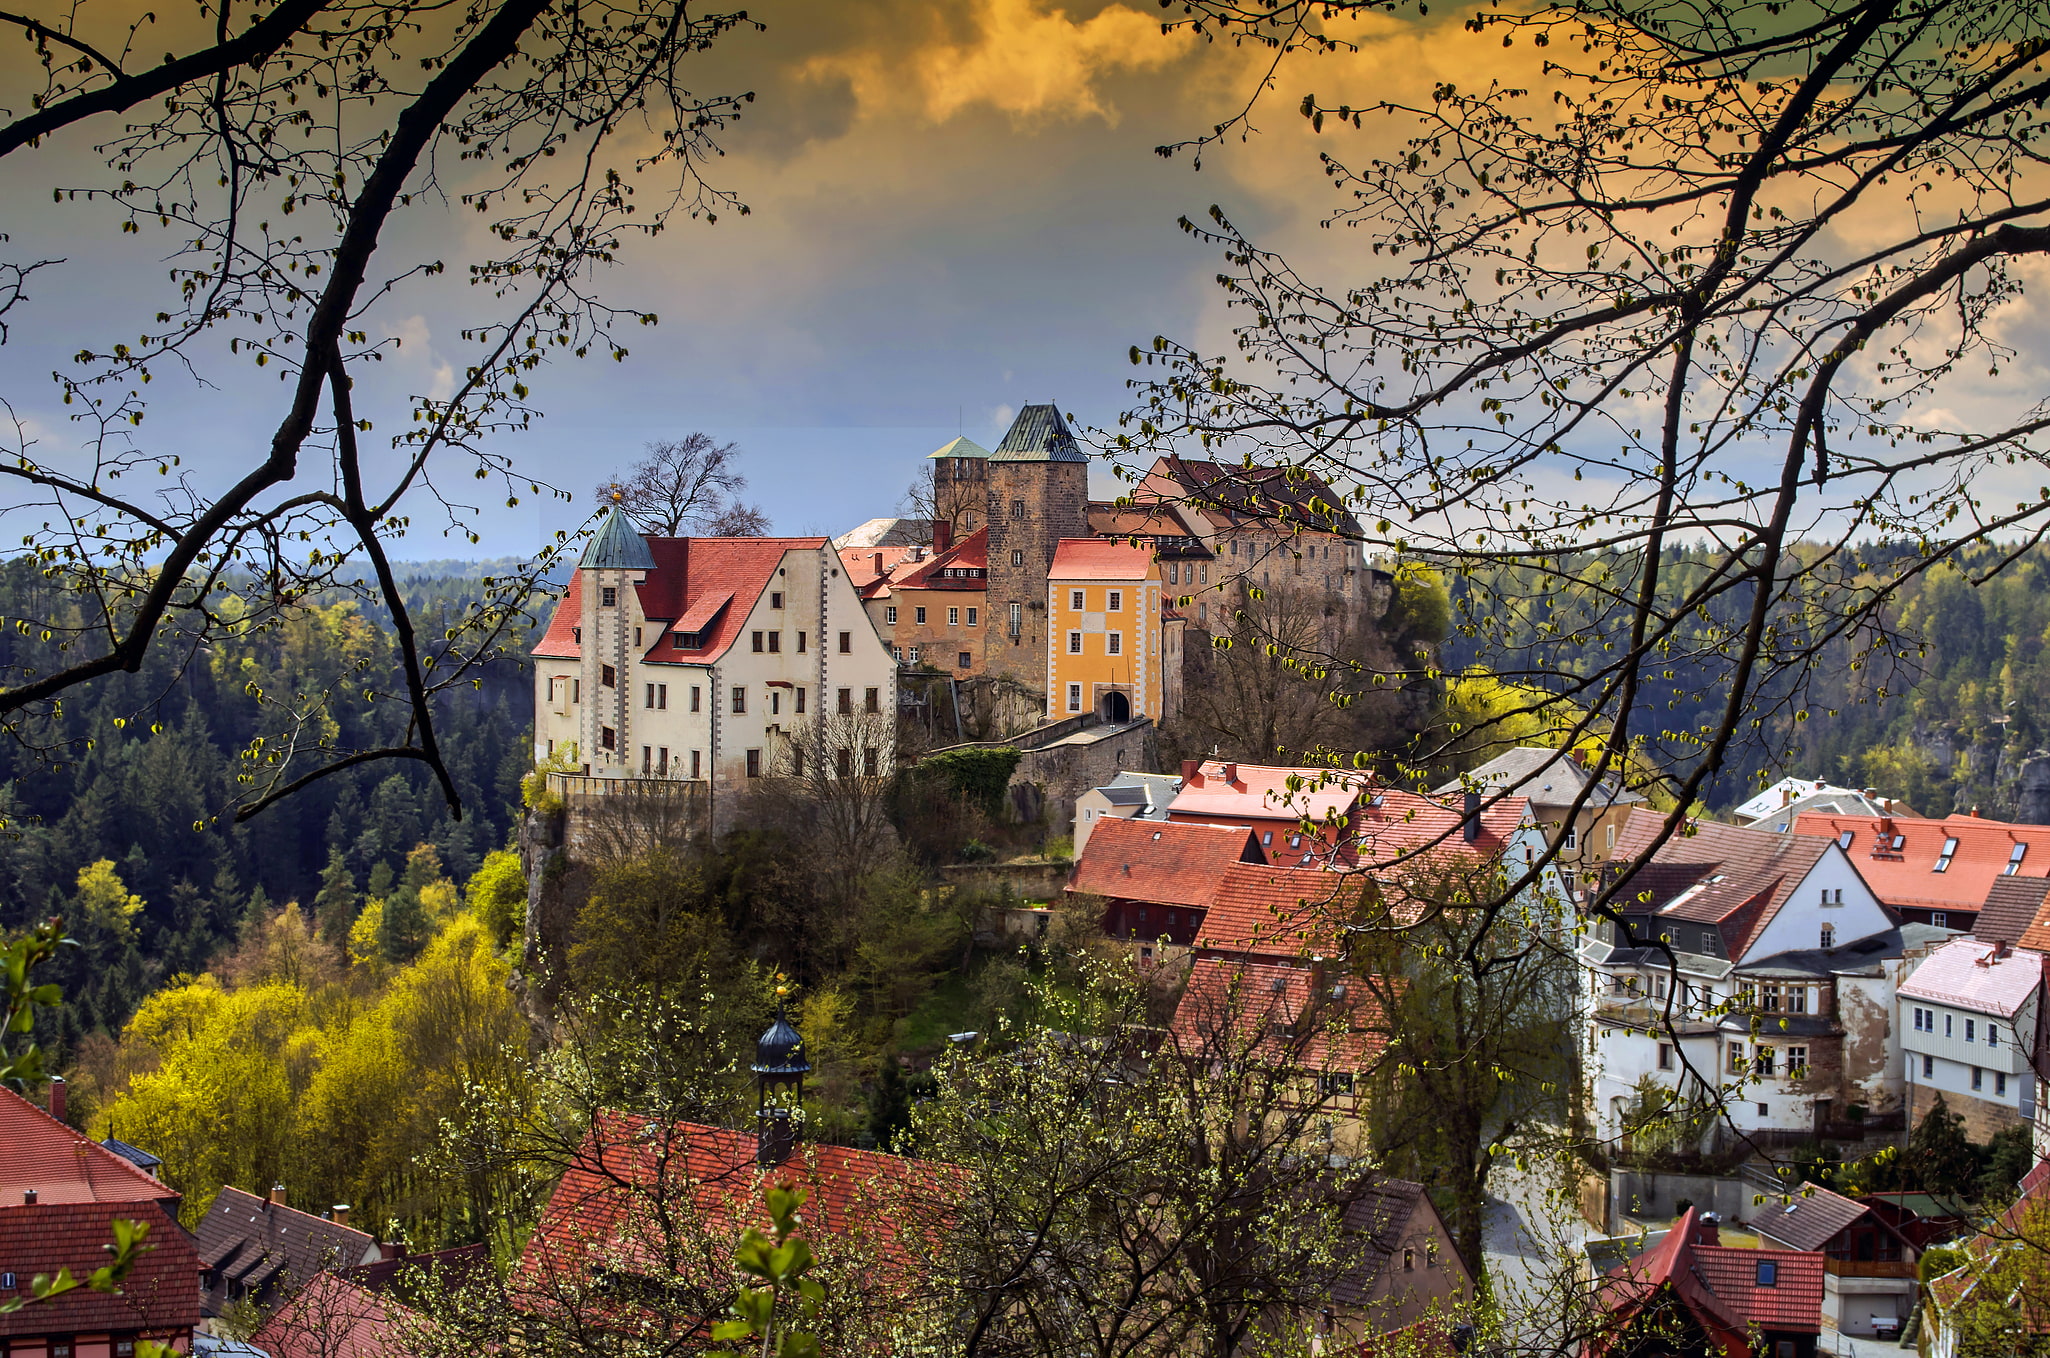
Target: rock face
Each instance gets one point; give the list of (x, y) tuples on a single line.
[(541, 855), (2032, 791)]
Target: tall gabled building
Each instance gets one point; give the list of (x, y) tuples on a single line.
[(709, 660)]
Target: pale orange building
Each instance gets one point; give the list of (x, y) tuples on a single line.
[(1108, 626)]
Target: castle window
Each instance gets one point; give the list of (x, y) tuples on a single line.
[(869, 763), (1117, 601), (918, 616), (872, 700), (1017, 558), (1074, 697), (1115, 643), (953, 617), (974, 617), (890, 614), (965, 661), (739, 701), (608, 676), (1075, 600), (1074, 643), (608, 597), (776, 598), (847, 643), (1017, 509), (754, 763)]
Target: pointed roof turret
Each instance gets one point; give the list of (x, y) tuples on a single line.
[(617, 545), (780, 1050), (1039, 434), (960, 447)]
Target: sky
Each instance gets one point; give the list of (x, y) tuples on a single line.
[(954, 210)]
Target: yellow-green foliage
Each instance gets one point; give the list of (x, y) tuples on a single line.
[(498, 896), (534, 787), (338, 1083)]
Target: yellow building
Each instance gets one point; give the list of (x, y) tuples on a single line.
[(1106, 631)]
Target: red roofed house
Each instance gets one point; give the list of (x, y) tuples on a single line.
[(649, 1212), (1967, 1022), (1779, 925), (1934, 871), (1689, 1294), (1158, 878), (1271, 527), (1868, 1264), (333, 1316), (60, 1194), (1114, 646), (936, 611), (706, 659)]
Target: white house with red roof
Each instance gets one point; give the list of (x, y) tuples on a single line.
[(1751, 972), (1968, 1025), (711, 659)]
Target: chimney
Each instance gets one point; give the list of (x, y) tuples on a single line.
[(57, 1097), (1871, 794), (1191, 771), (276, 1196), (28, 1197), (879, 563), (2002, 950), (1231, 774), (1708, 1229), (1786, 796), (341, 1215), (1472, 828), (1973, 813), (942, 536)]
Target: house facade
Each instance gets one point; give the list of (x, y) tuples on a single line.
[(1108, 623), (711, 660), (1967, 1023), (1157, 879), (1552, 782), (1775, 994), (1129, 796)]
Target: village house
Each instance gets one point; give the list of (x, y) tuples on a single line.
[(710, 660), (1691, 1294), (1967, 1023), (1115, 644), (1551, 781), (1157, 879), (1775, 986), (1868, 1264), (60, 1195), (1934, 871), (870, 570), (1271, 527), (258, 1250), (934, 613), (1776, 808), (1131, 795)]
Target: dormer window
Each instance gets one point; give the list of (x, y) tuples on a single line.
[(688, 641), (2014, 859), (1949, 852)]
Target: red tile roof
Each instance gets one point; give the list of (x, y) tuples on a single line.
[(333, 1317), (1907, 877), (1719, 1286), (1727, 875), (1221, 790), (869, 568), (599, 1218), (970, 553), (690, 578), (1098, 559), (1159, 861), (1268, 1010), (160, 1294), (1279, 912), (1108, 519), (1387, 826), (63, 1164)]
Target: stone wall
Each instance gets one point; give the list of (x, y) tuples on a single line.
[(1982, 1117), (1047, 781)]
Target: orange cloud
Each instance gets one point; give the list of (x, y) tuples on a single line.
[(1021, 58)]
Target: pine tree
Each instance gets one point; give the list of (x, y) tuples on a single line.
[(1940, 1155), (405, 928), (334, 908)]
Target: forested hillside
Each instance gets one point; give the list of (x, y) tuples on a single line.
[(137, 773), (1939, 706)]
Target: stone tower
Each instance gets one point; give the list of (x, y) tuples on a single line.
[(1038, 494)]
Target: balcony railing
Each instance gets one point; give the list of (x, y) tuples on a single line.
[(1869, 1268)]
